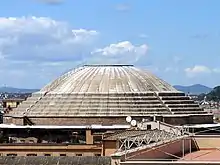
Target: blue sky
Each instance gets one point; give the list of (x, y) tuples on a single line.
[(176, 40)]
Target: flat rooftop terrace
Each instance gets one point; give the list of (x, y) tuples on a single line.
[(169, 163), (203, 155), (193, 149)]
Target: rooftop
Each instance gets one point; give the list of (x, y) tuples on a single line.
[(203, 155), (125, 133), (5, 126), (107, 65), (106, 91), (107, 78)]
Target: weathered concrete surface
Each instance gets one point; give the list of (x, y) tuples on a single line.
[(38, 160), (170, 163)]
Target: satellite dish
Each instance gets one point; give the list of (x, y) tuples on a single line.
[(128, 119), (133, 123)]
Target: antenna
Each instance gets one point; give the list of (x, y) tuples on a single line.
[(128, 119), (133, 123)]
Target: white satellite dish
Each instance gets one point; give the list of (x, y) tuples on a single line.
[(133, 123), (128, 119)]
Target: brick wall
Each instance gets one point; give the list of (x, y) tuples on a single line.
[(79, 120), (195, 119)]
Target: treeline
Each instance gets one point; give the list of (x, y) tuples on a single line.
[(214, 95)]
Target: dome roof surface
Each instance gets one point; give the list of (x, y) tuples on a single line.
[(107, 79), (106, 91)]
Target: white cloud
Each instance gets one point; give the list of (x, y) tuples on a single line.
[(200, 69), (42, 39), (143, 36), (122, 52), (177, 59), (31, 47), (35, 50), (200, 36), (51, 2), (123, 7), (171, 69), (216, 70)]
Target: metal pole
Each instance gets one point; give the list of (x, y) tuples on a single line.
[(183, 147), (125, 150), (190, 147)]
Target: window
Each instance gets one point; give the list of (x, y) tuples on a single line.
[(11, 154), (148, 126), (97, 154), (31, 141), (97, 139), (78, 154), (62, 154), (47, 154), (17, 103), (31, 154)]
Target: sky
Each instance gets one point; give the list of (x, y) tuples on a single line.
[(176, 40)]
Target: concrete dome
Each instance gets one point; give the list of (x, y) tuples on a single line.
[(104, 93), (107, 79)]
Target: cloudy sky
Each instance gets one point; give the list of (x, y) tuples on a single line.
[(176, 40)]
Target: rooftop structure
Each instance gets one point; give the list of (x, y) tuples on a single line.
[(161, 143), (164, 145), (99, 79), (106, 94)]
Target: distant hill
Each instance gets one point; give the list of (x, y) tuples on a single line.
[(16, 90), (214, 94), (193, 89)]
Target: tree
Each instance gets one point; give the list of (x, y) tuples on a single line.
[(201, 96), (214, 94)]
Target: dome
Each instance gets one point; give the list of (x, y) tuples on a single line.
[(97, 92), (107, 79)]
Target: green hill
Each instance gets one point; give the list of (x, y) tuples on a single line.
[(194, 89), (214, 94)]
